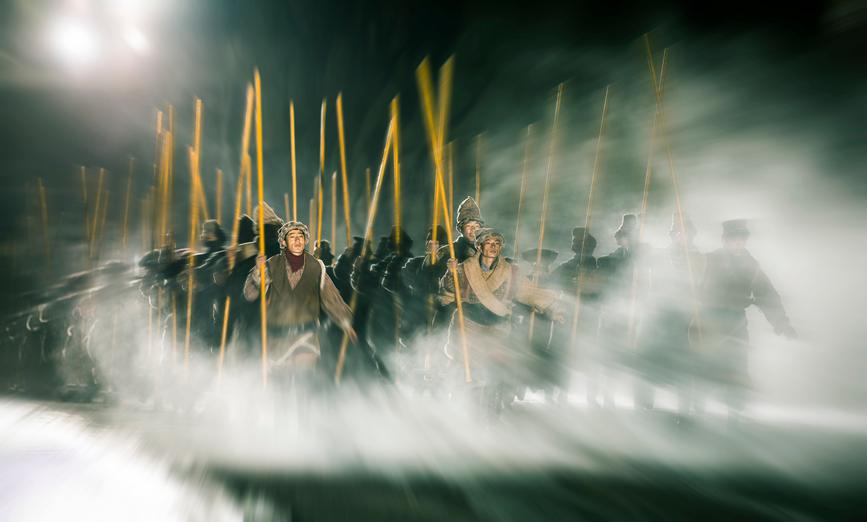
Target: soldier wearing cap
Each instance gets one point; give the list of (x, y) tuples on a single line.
[(734, 281), (298, 291)]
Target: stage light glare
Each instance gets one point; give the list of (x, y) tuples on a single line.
[(136, 40), (75, 42)]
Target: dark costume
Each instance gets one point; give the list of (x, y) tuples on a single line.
[(733, 281)]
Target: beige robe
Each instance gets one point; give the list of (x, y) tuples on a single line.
[(489, 296)]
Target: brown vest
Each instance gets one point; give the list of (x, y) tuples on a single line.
[(288, 306)]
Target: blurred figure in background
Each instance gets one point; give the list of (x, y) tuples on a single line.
[(666, 358), (733, 281), (580, 275)]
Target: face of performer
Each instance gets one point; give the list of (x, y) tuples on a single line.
[(295, 242), (431, 246), (735, 244), (469, 230), (491, 248)]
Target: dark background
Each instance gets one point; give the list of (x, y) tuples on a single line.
[(509, 59)]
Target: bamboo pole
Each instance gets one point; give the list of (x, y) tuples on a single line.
[(451, 153), (543, 219), (218, 204), (43, 214), (95, 221), (263, 304), (312, 209), (321, 177), (642, 214), (675, 188), (365, 248), (245, 143), (320, 205), (479, 169), (367, 187), (588, 216), (395, 149), (525, 167), (154, 214), (286, 205), (197, 150), (124, 233), (436, 141), (334, 209), (294, 171), (191, 281), (344, 177), (442, 107), (83, 174), (223, 332), (239, 194), (101, 227)]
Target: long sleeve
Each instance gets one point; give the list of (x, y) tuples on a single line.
[(333, 305), (769, 302), (447, 287), (251, 284), (539, 298)]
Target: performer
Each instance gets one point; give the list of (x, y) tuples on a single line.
[(666, 357), (297, 291), (733, 281), (489, 286), (469, 221), (581, 270)]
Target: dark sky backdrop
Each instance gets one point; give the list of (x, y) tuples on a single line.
[(510, 58)]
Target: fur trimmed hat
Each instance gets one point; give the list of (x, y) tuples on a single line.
[(468, 211), (484, 234), (288, 227)]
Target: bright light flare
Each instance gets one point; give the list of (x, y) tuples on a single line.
[(75, 42), (136, 40)]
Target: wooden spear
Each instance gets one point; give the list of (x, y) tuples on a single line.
[(344, 177), (294, 171), (191, 281), (365, 248), (321, 177), (124, 233), (264, 304), (334, 209), (395, 149), (543, 219), (218, 204), (436, 140), (588, 216), (525, 167), (479, 169)]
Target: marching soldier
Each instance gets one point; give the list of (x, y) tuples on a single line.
[(580, 273), (734, 281), (297, 291), (489, 286)]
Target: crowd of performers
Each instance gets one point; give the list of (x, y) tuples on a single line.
[(656, 318)]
